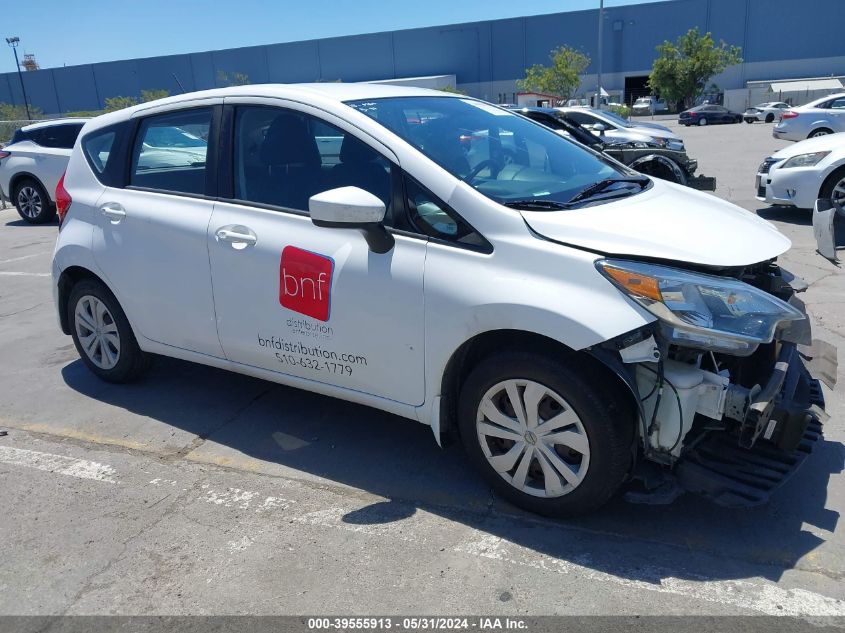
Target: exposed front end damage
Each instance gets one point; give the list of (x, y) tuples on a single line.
[(729, 425)]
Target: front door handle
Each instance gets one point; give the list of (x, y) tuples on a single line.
[(238, 236), (113, 211)]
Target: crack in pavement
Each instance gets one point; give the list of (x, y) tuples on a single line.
[(201, 438)]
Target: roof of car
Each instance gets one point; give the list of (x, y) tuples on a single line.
[(312, 93), (52, 122)]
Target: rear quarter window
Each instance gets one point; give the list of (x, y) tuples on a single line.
[(102, 149)]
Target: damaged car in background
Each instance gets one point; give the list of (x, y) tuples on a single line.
[(577, 324), (645, 156)]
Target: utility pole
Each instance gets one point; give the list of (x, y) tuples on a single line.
[(598, 79), (13, 43)]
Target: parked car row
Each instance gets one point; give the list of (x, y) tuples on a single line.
[(643, 154)]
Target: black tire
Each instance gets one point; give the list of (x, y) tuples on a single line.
[(770, 117), (749, 120), (822, 131), (131, 361), (604, 415), (32, 202), (826, 191), (702, 121)]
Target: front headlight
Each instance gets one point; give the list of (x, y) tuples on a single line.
[(804, 160), (701, 311)]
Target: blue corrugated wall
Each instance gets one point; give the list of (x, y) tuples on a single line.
[(479, 52)]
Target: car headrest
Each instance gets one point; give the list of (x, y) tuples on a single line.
[(288, 142)]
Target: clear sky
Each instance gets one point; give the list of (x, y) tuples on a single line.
[(68, 32)]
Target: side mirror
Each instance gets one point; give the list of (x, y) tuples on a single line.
[(599, 127), (352, 208)]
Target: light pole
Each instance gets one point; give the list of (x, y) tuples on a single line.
[(13, 42), (601, 23)]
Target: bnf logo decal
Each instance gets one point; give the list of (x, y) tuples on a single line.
[(305, 282)]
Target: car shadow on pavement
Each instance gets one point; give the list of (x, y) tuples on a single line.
[(51, 224), (398, 460), (789, 215)]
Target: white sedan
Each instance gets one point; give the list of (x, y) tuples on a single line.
[(767, 112), (799, 174)]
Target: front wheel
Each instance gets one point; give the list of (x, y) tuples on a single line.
[(770, 117), (542, 435), (833, 189), (102, 334)]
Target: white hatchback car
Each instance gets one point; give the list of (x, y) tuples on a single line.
[(798, 175), (571, 319), (31, 165)]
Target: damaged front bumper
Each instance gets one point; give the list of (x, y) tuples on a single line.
[(729, 428), (777, 429)]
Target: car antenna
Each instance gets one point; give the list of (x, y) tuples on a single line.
[(181, 87)]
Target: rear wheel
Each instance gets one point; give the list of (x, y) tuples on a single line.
[(833, 188), (102, 334), (822, 131), (542, 435), (32, 202), (702, 121)]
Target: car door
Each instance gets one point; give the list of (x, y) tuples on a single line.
[(301, 300), (150, 236), (835, 111)]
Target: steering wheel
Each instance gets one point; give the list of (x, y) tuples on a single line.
[(479, 168)]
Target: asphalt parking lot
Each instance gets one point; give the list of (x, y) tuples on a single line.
[(198, 491)]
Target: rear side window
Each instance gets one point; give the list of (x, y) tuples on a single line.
[(97, 148), (58, 136), (170, 152)]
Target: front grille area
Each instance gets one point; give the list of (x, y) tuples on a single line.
[(766, 165), (761, 191)]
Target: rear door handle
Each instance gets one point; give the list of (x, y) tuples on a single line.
[(113, 211), (238, 236)]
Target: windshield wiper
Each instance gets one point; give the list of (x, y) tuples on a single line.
[(531, 204), (601, 185)]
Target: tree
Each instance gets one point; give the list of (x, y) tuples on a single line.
[(683, 68), (225, 79), (452, 90), (118, 103), (152, 95), (561, 78)]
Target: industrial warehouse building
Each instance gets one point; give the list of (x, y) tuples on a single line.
[(780, 39)]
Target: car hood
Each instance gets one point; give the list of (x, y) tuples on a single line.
[(667, 222), (827, 143), (654, 131)]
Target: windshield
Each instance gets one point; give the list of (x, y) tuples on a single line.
[(616, 118), (508, 158)]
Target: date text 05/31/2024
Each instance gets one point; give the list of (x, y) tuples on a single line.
[(417, 623)]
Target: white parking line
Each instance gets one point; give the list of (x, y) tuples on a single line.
[(17, 259), (754, 594), (70, 466), (16, 274)]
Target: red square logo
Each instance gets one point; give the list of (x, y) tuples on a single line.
[(305, 282)]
